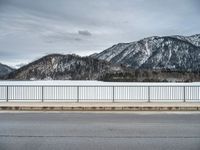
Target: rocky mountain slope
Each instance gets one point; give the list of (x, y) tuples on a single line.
[(194, 39), (175, 53), (65, 67), (4, 70)]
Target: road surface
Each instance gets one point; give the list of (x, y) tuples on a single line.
[(99, 131)]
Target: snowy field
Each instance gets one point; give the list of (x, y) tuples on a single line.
[(97, 91), (92, 83)]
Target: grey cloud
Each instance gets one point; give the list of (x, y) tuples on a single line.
[(78, 39), (84, 32), (30, 27), (61, 37)]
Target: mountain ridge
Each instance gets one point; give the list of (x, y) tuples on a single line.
[(64, 67), (138, 54), (167, 58)]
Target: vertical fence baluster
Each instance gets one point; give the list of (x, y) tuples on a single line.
[(113, 94), (77, 94), (42, 93), (7, 94), (184, 94), (149, 100)]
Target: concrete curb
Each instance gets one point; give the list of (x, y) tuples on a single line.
[(55, 106), (96, 108)]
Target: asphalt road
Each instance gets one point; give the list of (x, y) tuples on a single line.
[(100, 131)]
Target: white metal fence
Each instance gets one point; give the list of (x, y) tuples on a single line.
[(34, 93)]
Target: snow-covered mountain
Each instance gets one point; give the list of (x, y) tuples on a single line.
[(177, 53), (4, 70), (194, 39), (169, 58), (64, 67)]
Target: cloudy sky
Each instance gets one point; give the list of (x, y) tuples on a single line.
[(30, 29)]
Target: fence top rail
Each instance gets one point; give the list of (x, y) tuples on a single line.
[(99, 85)]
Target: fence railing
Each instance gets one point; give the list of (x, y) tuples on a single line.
[(35, 93)]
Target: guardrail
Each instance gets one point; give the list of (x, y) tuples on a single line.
[(63, 93)]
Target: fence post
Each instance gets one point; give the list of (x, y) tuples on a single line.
[(42, 94), (149, 100), (77, 94), (7, 94), (113, 94), (184, 94)]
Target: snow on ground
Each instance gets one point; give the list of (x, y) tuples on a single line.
[(87, 82)]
